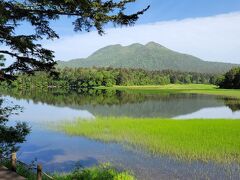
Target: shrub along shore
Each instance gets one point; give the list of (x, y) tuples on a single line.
[(100, 172)]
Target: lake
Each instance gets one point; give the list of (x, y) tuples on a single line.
[(60, 152)]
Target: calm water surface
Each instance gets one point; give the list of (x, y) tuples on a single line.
[(61, 152)]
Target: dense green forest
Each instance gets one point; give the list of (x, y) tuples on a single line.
[(93, 77), (231, 80), (151, 57)]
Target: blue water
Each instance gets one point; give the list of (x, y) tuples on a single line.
[(57, 151)]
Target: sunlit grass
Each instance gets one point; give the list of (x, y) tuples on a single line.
[(181, 88), (163, 87), (206, 140), (172, 86), (220, 92)]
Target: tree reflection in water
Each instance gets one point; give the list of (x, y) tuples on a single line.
[(124, 103), (11, 134), (233, 104)]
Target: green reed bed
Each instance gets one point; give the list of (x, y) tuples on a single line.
[(180, 88), (171, 86), (233, 93), (206, 140)]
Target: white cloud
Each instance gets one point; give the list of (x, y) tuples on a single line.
[(213, 38)]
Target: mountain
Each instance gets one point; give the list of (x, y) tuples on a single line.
[(151, 56)]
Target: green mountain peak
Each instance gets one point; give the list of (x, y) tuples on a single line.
[(151, 56)]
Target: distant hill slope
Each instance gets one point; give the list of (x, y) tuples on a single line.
[(151, 56)]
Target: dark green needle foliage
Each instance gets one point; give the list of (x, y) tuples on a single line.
[(231, 80), (28, 54)]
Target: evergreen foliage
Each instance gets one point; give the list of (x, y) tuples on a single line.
[(94, 77), (231, 80), (28, 54)]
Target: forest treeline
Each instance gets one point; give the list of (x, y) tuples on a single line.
[(230, 80), (93, 77)]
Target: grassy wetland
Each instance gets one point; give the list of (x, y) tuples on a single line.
[(180, 88), (157, 101), (197, 139), (151, 131), (207, 140)]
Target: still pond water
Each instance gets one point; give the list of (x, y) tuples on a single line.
[(60, 152)]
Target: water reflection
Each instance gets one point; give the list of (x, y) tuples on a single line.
[(11, 134), (212, 113), (232, 103), (60, 152), (92, 103)]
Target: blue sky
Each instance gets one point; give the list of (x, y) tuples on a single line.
[(180, 9), (165, 10), (208, 29)]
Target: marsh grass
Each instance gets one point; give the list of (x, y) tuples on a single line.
[(180, 88), (205, 140)]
